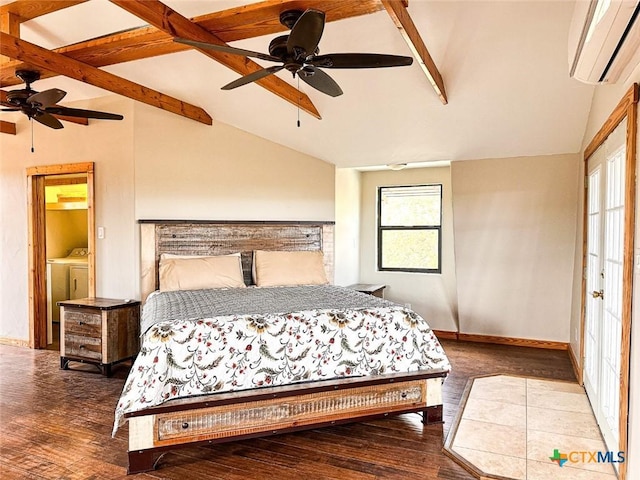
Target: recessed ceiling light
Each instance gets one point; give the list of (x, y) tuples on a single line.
[(396, 166)]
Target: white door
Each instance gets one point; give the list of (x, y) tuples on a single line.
[(605, 251)]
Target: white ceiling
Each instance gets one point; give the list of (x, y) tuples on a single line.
[(504, 64)]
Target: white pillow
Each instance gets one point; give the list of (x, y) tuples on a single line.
[(275, 268), (178, 272)]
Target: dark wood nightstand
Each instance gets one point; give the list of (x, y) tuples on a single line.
[(370, 288), (100, 331)]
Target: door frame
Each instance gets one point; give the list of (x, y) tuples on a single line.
[(626, 108), (37, 243)]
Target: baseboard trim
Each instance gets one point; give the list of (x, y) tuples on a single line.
[(576, 365), (446, 334), (519, 342), (14, 342), (497, 340)]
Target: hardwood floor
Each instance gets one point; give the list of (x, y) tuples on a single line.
[(57, 424), (55, 328)]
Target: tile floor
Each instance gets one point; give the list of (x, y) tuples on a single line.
[(510, 427)]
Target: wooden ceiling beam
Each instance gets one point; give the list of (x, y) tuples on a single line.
[(397, 10), (30, 9), (7, 127), (239, 23), (44, 59), (263, 18), (136, 44), (171, 22), (14, 13), (9, 23)]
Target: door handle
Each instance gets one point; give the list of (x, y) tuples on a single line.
[(599, 294)]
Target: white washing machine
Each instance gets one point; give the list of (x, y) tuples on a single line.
[(67, 278)]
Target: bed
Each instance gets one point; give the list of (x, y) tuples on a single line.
[(226, 362)]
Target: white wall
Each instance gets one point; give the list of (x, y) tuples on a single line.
[(576, 291), (151, 165), (187, 170), (605, 99), (110, 146), (347, 228), (515, 221), (433, 296)]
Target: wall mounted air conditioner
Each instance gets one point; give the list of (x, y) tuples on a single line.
[(604, 40)]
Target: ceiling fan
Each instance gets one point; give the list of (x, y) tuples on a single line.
[(298, 52), (41, 106)]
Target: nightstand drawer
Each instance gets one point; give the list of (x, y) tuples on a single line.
[(83, 323), (85, 347)]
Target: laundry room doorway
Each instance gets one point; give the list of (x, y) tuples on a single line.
[(61, 244)]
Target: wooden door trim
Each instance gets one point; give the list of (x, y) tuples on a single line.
[(617, 115), (37, 243), (626, 108), (37, 263), (61, 169), (627, 282)]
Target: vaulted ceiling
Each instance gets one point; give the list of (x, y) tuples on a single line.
[(495, 83)]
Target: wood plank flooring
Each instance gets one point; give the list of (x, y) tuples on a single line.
[(57, 424)]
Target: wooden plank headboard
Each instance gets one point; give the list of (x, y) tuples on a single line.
[(198, 237)]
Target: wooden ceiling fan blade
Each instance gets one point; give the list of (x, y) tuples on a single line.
[(46, 98), (252, 77), (227, 49), (360, 60), (48, 120), (322, 82), (78, 112), (306, 33)]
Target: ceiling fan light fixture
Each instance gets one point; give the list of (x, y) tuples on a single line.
[(43, 106), (299, 54), (396, 166)]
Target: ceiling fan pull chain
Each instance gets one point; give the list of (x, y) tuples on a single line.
[(31, 122)]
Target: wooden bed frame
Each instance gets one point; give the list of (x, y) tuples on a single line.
[(224, 417)]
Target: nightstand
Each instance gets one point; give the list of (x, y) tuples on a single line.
[(100, 331), (369, 288)]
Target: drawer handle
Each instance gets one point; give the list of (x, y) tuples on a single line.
[(185, 425), (403, 394), (81, 323), (82, 347)]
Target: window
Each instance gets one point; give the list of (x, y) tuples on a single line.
[(410, 228)]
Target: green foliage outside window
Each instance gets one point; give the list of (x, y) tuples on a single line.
[(410, 228)]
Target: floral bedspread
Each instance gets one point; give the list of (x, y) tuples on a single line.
[(181, 358)]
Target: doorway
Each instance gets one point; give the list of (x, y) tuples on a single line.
[(607, 280), (41, 304), (67, 246), (604, 278)]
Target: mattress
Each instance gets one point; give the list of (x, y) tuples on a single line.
[(208, 341)]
